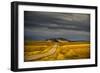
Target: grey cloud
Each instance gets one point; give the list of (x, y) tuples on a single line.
[(44, 25)]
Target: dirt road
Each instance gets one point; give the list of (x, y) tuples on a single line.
[(38, 56)]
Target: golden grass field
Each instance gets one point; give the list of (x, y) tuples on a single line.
[(50, 50)]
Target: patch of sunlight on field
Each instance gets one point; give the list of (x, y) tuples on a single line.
[(50, 50)]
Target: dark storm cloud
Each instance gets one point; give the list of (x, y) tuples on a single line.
[(44, 25)]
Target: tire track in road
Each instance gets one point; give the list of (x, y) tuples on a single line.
[(38, 56)]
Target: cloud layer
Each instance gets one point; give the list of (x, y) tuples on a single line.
[(45, 25)]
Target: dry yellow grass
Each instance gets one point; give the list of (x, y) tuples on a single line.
[(49, 50)]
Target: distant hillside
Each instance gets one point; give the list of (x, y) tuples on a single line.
[(57, 39)]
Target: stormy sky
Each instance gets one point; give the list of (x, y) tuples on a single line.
[(47, 25)]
